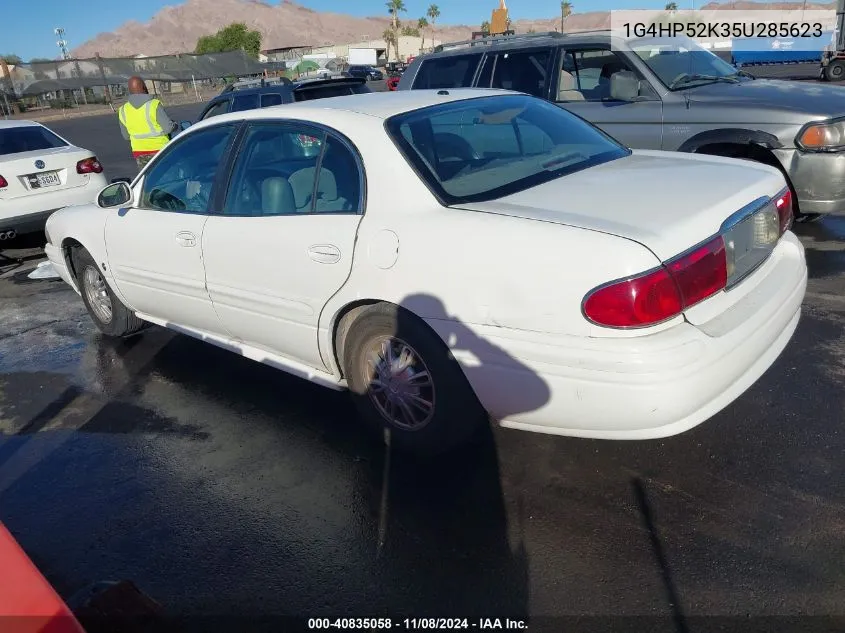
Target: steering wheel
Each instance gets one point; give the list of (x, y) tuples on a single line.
[(161, 199)]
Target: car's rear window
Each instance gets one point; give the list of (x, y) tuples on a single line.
[(29, 138), (490, 147), (452, 71), (324, 92)]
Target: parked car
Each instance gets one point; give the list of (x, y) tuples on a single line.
[(39, 173), (281, 93), (532, 272), (367, 72), (668, 94)]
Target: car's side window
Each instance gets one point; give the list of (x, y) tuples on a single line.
[(182, 178), (523, 71), (452, 71), (271, 99), (287, 169), (221, 107), (245, 102), (590, 75)]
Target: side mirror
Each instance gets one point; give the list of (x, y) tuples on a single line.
[(114, 195)]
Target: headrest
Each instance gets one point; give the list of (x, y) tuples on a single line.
[(567, 81), (624, 86)]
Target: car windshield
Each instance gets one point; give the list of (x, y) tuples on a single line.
[(29, 138), (680, 62), (482, 149)]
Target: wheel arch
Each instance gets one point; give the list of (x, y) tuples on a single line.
[(730, 136), (68, 246)]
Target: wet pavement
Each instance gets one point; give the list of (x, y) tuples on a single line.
[(221, 486)]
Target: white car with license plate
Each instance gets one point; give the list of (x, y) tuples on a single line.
[(453, 257), (39, 173)]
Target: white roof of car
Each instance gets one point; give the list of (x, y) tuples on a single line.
[(381, 105), (16, 123)]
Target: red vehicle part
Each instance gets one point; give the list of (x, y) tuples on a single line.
[(28, 604), (393, 83)]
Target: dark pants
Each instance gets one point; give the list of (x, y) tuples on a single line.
[(143, 159)]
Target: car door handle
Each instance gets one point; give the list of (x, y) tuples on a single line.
[(324, 254), (186, 238)]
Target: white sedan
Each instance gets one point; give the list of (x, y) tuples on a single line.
[(39, 173), (452, 257)]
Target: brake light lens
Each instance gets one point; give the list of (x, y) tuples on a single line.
[(3, 183), (702, 273), (89, 166), (635, 302), (783, 203), (663, 293)]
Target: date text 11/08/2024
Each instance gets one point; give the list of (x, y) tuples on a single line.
[(414, 624), (722, 29)]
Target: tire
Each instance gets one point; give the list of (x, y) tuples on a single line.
[(109, 314), (455, 415), (835, 70)]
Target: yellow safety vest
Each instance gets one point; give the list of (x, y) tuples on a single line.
[(145, 133)]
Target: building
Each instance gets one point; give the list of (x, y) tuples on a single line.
[(286, 53), (409, 46)]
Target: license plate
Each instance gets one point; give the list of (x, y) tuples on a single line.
[(48, 179)]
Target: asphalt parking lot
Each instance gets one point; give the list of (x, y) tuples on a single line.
[(223, 487)]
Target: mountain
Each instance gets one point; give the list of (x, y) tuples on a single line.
[(176, 29)]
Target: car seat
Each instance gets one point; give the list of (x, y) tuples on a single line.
[(277, 196), (568, 90)]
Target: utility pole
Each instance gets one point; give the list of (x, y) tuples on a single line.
[(62, 44)]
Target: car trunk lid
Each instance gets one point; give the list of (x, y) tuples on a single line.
[(42, 171), (689, 203)]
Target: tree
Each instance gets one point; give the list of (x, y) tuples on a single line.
[(14, 60), (395, 7), (565, 12), (410, 31), (234, 37), (485, 27), (390, 39), (422, 25), (433, 13), (671, 6)]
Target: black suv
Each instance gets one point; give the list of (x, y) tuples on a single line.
[(272, 94), (367, 72)]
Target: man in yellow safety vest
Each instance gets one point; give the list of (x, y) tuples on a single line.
[(144, 122)]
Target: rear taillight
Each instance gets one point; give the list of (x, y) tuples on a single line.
[(680, 283), (3, 182), (663, 293), (89, 166), (783, 203)]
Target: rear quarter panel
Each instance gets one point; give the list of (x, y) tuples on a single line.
[(468, 266)]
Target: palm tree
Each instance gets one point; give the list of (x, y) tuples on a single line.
[(395, 7), (671, 6), (485, 27), (433, 13), (390, 39), (422, 25), (565, 12)]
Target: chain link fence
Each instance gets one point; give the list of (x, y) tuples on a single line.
[(71, 83)]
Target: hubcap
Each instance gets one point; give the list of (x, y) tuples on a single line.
[(97, 294), (399, 383)]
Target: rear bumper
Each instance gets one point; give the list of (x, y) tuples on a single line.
[(28, 214), (636, 388)]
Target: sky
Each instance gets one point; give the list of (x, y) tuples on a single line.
[(29, 33)]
